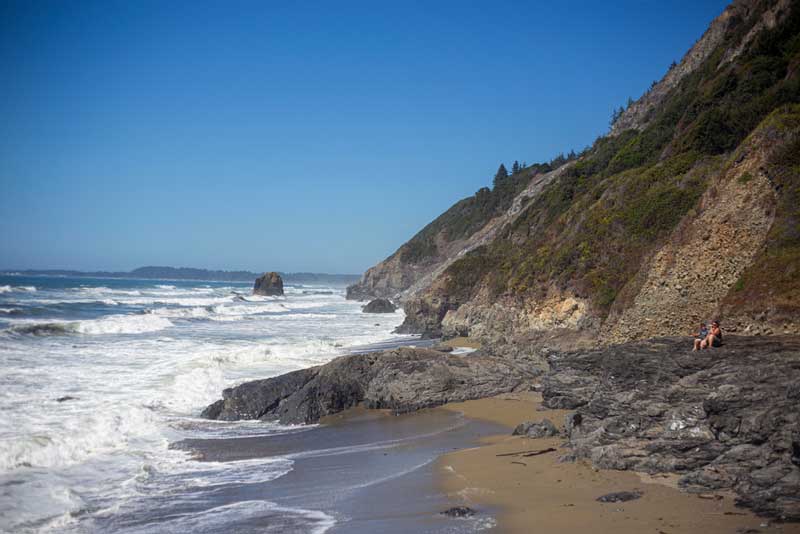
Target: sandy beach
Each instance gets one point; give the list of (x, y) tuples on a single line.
[(538, 493)]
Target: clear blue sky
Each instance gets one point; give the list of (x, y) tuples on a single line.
[(313, 136)]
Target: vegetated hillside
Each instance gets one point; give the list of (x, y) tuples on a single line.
[(449, 234), (688, 211)]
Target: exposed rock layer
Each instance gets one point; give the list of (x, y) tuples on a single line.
[(724, 419), (401, 380)]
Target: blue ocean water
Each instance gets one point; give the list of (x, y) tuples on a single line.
[(100, 377)]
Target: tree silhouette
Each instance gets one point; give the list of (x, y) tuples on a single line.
[(501, 176)]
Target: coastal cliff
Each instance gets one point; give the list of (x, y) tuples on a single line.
[(685, 211)]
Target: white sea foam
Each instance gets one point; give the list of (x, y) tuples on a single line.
[(112, 324), (275, 519), (97, 401), (124, 324), (9, 289), (77, 439), (176, 301), (102, 290)]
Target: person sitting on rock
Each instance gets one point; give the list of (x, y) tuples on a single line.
[(714, 338), (700, 336)]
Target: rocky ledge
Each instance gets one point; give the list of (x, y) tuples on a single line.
[(727, 418), (402, 380)]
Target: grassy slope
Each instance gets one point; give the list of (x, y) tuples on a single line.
[(590, 230), (774, 276), (467, 216)]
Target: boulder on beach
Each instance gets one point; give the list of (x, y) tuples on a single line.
[(269, 285), (379, 306), (459, 511), (620, 496), (536, 429)]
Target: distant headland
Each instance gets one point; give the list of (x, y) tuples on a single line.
[(190, 273)]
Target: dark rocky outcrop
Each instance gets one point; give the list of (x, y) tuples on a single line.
[(379, 306), (401, 380), (269, 284), (459, 511), (726, 418), (620, 496), (424, 316), (536, 429)]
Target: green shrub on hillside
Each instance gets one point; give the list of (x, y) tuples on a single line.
[(590, 230), (775, 272), (469, 215)]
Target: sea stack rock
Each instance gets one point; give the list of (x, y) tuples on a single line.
[(379, 306), (269, 284)]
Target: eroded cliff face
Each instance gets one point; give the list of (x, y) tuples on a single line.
[(386, 279), (686, 211), (498, 321), (686, 280)]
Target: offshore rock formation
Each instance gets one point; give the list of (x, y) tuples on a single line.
[(724, 419), (269, 284), (401, 380)]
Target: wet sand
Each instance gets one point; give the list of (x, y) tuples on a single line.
[(367, 470), (539, 494)]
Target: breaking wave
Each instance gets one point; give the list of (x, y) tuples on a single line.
[(113, 324), (10, 289)]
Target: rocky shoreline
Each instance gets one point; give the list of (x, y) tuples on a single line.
[(402, 380), (726, 419)]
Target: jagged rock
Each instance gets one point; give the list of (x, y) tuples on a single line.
[(620, 496), (459, 511), (402, 380), (269, 284), (723, 419), (536, 429), (572, 423), (379, 306), (424, 316)]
